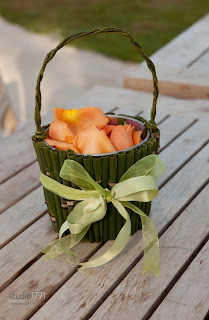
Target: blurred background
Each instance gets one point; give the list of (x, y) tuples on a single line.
[(30, 29)]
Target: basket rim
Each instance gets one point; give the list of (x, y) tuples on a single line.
[(115, 152)]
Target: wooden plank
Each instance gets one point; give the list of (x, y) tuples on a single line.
[(16, 254), (184, 147), (186, 47), (189, 298), (44, 277), (88, 288), (171, 63), (19, 150), (137, 294), (181, 83), (21, 215), (177, 125), (141, 101), (14, 189), (202, 63)]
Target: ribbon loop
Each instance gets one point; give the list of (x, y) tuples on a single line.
[(137, 184)]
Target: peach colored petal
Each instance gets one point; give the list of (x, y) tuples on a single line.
[(121, 138), (91, 140)]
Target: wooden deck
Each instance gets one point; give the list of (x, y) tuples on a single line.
[(117, 290), (182, 65)]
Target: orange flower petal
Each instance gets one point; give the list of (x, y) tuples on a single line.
[(91, 140), (80, 119), (121, 137), (108, 128), (137, 137), (61, 145), (59, 130)]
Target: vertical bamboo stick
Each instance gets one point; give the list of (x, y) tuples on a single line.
[(137, 154), (105, 177), (121, 170), (153, 140), (94, 228), (97, 167), (129, 163), (56, 166), (149, 147), (111, 208)]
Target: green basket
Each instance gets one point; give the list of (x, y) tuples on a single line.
[(105, 169)]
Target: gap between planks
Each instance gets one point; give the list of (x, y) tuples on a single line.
[(127, 273), (127, 270), (154, 289), (23, 228), (177, 277)]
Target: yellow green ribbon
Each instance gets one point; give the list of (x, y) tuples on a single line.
[(137, 184)]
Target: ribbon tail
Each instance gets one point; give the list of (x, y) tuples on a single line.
[(119, 243), (151, 243), (63, 244)]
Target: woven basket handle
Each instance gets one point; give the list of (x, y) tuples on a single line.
[(51, 54)]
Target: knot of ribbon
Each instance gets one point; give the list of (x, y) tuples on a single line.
[(138, 183)]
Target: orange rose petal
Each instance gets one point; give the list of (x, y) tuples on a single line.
[(108, 128), (59, 130), (137, 137), (121, 138), (93, 141), (61, 145), (81, 118)]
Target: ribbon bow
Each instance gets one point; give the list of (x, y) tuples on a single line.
[(138, 183)]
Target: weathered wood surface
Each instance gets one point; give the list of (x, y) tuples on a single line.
[(189, 298), (23, 214), (10, 191), (184, 149), (177, 245), (189, 83), (97, 284), (23, 249), (182, 65)]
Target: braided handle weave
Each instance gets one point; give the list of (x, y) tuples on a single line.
[(51, 54)]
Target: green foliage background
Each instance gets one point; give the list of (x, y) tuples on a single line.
[(152, 22)]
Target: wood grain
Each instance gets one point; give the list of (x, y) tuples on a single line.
[(171, 88), (177, 125), (96, 284), (42, 276), (137, 294), (184, 147), (189, 298), (14, 189), (21, 215), (24, 249), (178, 68)]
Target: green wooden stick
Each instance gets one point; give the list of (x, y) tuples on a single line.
[(129, 163), (153, 140), (97, 167), (143, 148), (94, 228), (111, 208), (121, 170), (105, 177), (137, 154), (149, 147)]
